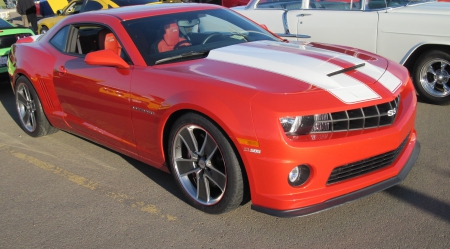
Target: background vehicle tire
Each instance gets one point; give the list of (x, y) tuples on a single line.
[(205, 165), (43, 30), (31, 115), (431, 77)]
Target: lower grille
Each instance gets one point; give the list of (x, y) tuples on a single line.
[(355, 169)]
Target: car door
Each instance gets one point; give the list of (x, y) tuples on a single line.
[(329, 21), (95, 99)]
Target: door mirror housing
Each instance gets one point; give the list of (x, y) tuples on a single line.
[(105, 58)]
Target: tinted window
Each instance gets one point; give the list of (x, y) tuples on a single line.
[(60, 39), (4, 24), (92, 5)]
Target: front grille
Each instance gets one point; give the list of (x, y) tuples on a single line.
[(355, 169), (358, 119)]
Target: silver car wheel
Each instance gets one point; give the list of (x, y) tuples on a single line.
[(26, 108), (199, 164), (435, 77)]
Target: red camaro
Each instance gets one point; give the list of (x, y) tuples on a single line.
[(232, 111)]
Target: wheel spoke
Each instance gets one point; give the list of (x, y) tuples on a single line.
[(185, 166), (443, 65), (27, 118), (189, 140), (217, 177), (208, 147), (431, 70), (432, 84), (446, 87), (203, 193), (22, 99)]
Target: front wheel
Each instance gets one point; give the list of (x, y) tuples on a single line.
[(205, 165), (31, 115), (431, 77)]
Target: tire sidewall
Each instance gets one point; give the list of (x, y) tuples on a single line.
[(233, 194), (423, 59), (41, 120)]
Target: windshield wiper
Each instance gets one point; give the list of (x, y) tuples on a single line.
[(183, 55)]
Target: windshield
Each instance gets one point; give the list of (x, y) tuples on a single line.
[(179, 36)]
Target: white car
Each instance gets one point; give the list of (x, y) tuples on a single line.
[(414, 33)]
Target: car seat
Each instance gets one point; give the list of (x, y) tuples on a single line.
[(108, 40), (171, 38)]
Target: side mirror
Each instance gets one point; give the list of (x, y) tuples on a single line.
[(59, 12), (105, 58)]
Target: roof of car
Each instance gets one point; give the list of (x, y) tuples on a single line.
[(139, 11)]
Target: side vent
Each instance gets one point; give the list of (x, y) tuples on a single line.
[(46, 95)]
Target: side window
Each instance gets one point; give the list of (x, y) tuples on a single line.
[(74, 8), (280, 4), (336, 4), (92, 5), (87, 38), (59, 41)]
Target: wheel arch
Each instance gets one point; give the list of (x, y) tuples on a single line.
[(418, 51), (180, 112)]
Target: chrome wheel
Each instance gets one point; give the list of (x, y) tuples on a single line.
[(199, 164), (44, 30), (435, 77), (26, 108)]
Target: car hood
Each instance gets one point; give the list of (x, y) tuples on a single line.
[(439, 8), (278, 67)]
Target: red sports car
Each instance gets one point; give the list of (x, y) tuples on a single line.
[(232, 111)]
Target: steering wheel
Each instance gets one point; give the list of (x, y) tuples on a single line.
[(180, 43), (210, 36)]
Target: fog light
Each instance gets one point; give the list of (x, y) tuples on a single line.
[(299, 175)]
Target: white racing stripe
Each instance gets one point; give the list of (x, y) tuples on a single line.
[(384, 77), (310, 70)]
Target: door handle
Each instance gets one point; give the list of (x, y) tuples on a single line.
[(62, 70), (302, 15)]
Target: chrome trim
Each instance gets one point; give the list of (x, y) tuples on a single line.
[(285, 23)]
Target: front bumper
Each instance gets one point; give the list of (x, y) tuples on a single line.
[(347, 197)]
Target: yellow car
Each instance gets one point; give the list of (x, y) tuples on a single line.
[(78, 6)]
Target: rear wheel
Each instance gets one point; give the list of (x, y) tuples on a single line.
[(43, 30), (31, 115), (205, 165), (431, 77)]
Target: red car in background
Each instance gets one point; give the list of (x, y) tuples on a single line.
[(232, 111)]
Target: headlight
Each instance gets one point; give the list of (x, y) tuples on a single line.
[(303, 125)]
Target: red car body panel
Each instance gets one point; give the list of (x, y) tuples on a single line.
[(80, 99)]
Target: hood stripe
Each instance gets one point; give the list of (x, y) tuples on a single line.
[(387, 79), (304, 68), (384, 77)]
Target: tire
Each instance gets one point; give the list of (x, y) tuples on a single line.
[(431, 77), (43, 30), (31, 115), (204, 165)]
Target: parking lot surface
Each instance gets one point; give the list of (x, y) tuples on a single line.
[(61, 191)]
